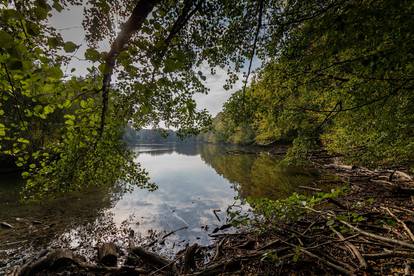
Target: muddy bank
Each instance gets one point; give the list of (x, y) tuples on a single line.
[(367, 230)]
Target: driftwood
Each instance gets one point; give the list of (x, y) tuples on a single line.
[(107, 254), (308, 245), (150, 257), (189, 258), (400, 174), (49, 260)]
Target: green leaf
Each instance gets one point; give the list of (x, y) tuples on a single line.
[(23, 141), (53, 42), (330, 222), (6, 40), (41, 12), (15, 64), (2, 130), (92, 54), (70, 122), (32, 28), (57, 6), (70, 47), (48, 109), (38, 108), (83, 104)]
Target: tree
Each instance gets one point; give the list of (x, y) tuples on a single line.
[(320, 65), (343, 78)]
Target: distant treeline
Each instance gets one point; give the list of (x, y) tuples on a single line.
[(156, 136)]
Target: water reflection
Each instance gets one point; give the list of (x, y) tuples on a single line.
[(257, 175), (193, 180)]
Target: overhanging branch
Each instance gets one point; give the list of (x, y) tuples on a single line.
[(142, 9)]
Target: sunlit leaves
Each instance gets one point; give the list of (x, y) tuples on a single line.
[(2, 130), (342, 79)]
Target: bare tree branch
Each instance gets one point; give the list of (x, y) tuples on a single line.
[(256, 36)]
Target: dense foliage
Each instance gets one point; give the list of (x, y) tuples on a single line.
[(338, 72), (343, 79)]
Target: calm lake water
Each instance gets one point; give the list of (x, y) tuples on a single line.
[(197, 185)]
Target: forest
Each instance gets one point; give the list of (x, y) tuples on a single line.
[(326, 84)]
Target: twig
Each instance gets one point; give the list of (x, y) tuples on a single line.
[(173, 232), (215, 213), (389, 253), (377, 237), (167, 265), (410, 234), (328, 263), (218, 249), (401, 209), (310, 188), (352, 248)]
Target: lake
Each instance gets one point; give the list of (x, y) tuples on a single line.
[(198, 186)]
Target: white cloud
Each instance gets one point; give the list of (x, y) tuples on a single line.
[(215, 99)]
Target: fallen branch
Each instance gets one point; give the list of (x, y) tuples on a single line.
[(328, 263), (310, 188), (377, 237), (389, 253), (173, 232), (352, 248), (150, 257), (215, 213), (410, 234), (189, 262), (166, 236)]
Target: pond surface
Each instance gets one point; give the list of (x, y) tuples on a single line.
[(197, 185)]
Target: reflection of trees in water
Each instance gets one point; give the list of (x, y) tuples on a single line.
[(256, 175), (39, 224), (189, 149)]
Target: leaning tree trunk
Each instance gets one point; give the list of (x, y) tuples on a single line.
[(142, 9)]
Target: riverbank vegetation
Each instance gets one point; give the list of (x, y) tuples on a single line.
[(343, 81)]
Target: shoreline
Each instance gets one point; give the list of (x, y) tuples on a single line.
[(368, 229)]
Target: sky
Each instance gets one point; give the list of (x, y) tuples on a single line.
[(69, 24)]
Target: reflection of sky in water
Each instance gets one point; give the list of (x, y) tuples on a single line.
[(192, 180), (188, 192)]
